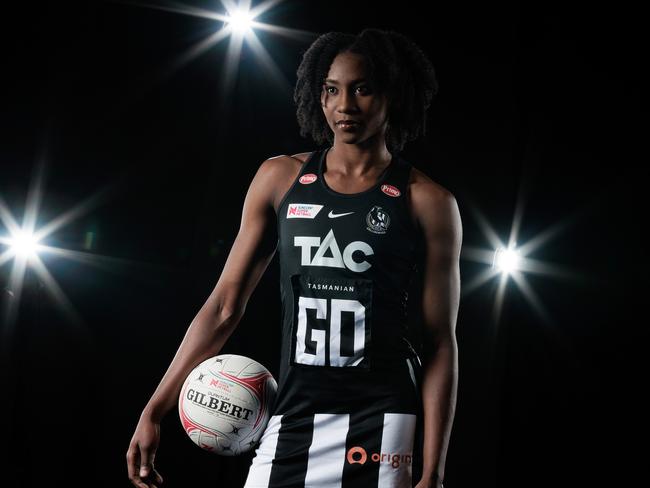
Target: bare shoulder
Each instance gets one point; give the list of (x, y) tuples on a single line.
[(421, 186), (433, 207), (280, 173)]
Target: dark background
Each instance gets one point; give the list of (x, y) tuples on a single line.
[(538, 104)]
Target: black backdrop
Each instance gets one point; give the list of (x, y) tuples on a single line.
[(537, 104)]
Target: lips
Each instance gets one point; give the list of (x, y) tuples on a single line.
[(347, 122)]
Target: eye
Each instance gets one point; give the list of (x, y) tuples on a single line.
[(364, 89)]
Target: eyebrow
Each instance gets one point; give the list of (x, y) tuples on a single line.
[(352, 82)]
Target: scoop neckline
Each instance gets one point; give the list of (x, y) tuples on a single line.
[(380, 181)]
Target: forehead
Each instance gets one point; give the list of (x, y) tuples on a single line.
[(347, 68)]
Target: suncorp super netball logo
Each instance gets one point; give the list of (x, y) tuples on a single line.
[(358, 455)]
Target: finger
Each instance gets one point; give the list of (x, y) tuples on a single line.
[(147, 455), (157, 476), (154, 478), (133, 463)]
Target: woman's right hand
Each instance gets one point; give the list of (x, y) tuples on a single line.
[(141, 454)]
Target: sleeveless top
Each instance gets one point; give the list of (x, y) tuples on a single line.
[(346, 262)]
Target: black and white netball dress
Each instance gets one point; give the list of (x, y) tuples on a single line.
[(348, 408)]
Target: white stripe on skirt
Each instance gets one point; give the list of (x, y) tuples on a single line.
[(327, 450), (260, 470), (395, 469)]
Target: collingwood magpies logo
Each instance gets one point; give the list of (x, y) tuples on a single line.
[(377, 220)]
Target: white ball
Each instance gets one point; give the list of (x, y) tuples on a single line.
[(225, 402)]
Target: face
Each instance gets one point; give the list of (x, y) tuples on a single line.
[(347, 94)]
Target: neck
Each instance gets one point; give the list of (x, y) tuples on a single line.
[(357, 159)]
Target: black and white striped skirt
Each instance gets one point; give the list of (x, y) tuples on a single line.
[(376, 443)]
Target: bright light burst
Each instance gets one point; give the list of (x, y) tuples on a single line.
[(239, 24), (506, 260), (510, 261), (240, 21), (24, 245)]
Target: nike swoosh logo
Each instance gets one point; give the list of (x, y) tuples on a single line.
[(332, 215)]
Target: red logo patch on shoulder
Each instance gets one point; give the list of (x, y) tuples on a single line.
[(307, 179), (390, 190)]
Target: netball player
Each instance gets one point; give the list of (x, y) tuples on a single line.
[(353, 222)]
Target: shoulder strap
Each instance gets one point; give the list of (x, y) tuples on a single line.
[(310, 164), (306, 168)]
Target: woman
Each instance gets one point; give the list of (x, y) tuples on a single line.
[(356, 406)]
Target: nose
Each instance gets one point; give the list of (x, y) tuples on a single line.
[(347, 102)]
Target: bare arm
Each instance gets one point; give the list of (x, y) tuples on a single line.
[(249, 257), (441, 225)]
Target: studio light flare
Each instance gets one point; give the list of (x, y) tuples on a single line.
[(24, 244), (506, 260), (240, 21), (510, 262)]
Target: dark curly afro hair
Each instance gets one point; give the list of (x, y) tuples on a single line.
[(396, 66)]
